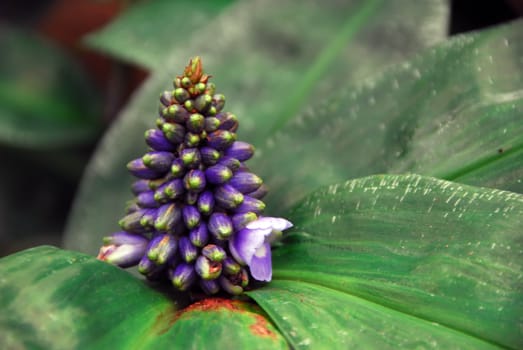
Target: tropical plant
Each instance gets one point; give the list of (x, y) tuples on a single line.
[(396, 152)]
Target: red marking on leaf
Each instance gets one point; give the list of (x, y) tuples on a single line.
[(261, 328)]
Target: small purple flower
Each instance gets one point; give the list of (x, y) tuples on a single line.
[(123, 249), (251, 246)]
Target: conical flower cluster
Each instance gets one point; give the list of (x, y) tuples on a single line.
[(196, 218)]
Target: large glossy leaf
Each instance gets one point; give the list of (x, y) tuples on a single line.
[(45, 99), (454, 112), (149, 29), (446, 260), (271, 62), (55, 299)]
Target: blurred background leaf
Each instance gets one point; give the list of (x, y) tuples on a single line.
[(147, 31), (453, 112), (256, 66), (46, 99)]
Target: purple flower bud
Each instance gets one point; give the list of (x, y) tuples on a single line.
[(161, 248), (194, 181), (122, 237), (158, 160), (245, 182), (124, 255), (174, 188), (157, 141), (146, 266), (154, 184), (195, 123), (218, 174), (239, 221), (259, 193), (165, 98), (214, 252), (168, 216), (175, 113), (146, 200), (207, 269), (140, 186), (220, 139), (230, 162), (191, 216), (190, 157), (218, 101), (250, 204), (138, 169), (206, 202), (188, 252), (220, 225), (202, 102), (148, 218), (199, 236), (240, 150), (183, 276), (173, 132), (228, 121), (192, 139), (228, 197), (181, 95), (229, 287), (131, 222), (123, 249), (210, 156), (210, 287), (177, 168), (211, 124), (230, 266)]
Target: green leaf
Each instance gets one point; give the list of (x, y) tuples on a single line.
[(315, 317), (144, 32), (45, 99), (270, 63), (453, 112), (58, 299), (445, 259)]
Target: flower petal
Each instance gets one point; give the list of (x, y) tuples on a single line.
[(244, 244), (261, 263), (266, 222)]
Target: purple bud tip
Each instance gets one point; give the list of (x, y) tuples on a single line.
[(156, 140), (220, 225), (190, 157), (228, 197), (199, 236), (195, 181), (245, 182), (161, 248), (191, 216), (240, 150), (206, 202), (188, 251), (220, 139), (168, 216), (183, 277), (218, 174)]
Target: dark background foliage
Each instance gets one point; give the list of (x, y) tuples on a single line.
[(38, 181)]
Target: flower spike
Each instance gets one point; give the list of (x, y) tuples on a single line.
[(196, 218)]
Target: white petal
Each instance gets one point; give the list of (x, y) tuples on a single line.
[(267, 222)]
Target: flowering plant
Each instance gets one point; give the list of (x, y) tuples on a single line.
[(395, 151)]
